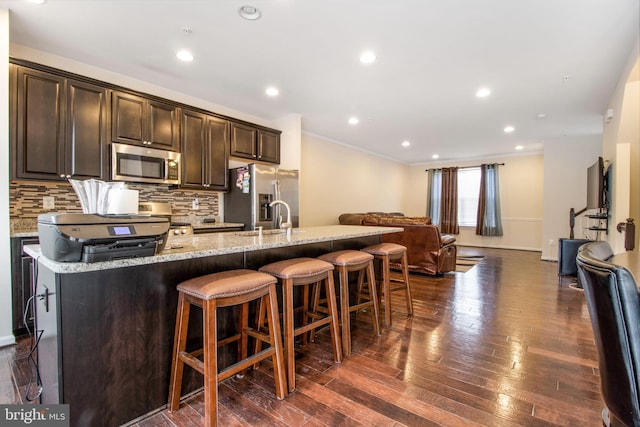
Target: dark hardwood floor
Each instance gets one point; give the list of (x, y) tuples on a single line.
[(504, 344)]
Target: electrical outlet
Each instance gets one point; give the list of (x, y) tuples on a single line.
[(48, 202), (195, 205)]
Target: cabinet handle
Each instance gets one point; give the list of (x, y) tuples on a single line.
[(68, 176), (61, 175)]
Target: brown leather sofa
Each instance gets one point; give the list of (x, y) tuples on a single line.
[(428, 251)]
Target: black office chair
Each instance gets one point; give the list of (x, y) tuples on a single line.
[(614, 307)]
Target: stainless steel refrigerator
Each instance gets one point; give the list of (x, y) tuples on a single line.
[(249, 196)]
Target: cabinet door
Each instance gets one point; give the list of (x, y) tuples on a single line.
[(164, 129), (193, 148), (218, 154), (243, 141), (268, 146), (39, 115), (127, 118), (85, 153)]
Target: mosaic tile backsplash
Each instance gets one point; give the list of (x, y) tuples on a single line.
[(25, 201)]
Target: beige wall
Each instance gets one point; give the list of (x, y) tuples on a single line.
[(521, 193), (621, 145), (566, 161), (335, 179)]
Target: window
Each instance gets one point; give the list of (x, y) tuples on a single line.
[(468, 191)]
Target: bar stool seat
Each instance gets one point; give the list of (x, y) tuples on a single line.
[(305, 272), (387, 252), (347, 261), (210, 292)]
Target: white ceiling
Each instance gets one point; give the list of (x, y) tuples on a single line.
[(562, 58)]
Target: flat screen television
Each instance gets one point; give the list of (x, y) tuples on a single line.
[(596, 186)]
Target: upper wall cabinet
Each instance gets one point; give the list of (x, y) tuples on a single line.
[(268, 146), (61, 125), (205, 142), (58, 126), (254, 143), (140, 121)]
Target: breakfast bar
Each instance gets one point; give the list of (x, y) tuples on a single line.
[(107, 327)]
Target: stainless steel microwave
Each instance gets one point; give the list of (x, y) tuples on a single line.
[(140, 164)]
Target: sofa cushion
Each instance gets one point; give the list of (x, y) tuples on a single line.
[(395, 220), (358, 218), (351, 219)]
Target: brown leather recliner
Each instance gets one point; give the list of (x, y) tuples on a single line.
[(427, 251)]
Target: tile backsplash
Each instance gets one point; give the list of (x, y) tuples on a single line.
[(26, 203)]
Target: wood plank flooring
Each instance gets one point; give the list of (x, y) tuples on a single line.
[(503, 344)]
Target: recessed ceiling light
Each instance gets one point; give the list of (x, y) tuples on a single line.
[(541, 115), (36, 1), (435, 156), (519, 147), (406, 143), (249, 12), (272, 91), (509, 129), (483, 92), (367, 57), (354, 121), (184, 55)]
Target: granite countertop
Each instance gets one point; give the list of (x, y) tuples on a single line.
[(216, 225), (211, 244), (29, 227)]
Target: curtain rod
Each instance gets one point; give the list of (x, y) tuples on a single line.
[(467, 167)]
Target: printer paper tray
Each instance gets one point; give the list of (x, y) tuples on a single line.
[(119, 250)]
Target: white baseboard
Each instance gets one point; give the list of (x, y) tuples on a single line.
[(7, 340), (514, 248)]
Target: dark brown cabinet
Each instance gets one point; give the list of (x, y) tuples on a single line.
[(253, 143), (59, 126), (205, 142), (140, 121), (21, 284), (268, 146)]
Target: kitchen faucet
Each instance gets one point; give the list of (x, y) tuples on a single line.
[(286, 225)]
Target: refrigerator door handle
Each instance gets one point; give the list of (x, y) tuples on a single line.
[(277, 218)]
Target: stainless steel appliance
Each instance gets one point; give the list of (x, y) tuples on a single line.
[(163, 210), (250, 196), (91, 237), (141, 164)]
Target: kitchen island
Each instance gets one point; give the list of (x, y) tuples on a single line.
[(107, 327)]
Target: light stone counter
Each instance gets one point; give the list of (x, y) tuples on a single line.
[(205, 245)]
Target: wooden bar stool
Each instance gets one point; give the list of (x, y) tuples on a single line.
[(387, 252), (305, 272), (347, 261), (228, 288)]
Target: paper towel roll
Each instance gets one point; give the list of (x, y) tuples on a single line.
[(123, 202)]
